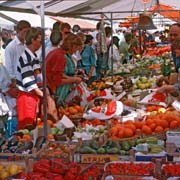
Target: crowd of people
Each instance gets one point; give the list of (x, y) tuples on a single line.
[(71, 57)]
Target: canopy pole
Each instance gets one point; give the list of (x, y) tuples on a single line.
[(44, 70), (112, 47)]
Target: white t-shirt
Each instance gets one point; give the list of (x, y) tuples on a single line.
[(12, 53), (116, 57)]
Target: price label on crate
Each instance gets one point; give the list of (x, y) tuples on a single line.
[(101, 159)]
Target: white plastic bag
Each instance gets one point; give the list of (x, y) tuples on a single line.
[(4, 78), (110, 110), (81, 91), (4, 109)]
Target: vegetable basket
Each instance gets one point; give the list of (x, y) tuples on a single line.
[(129, 169)]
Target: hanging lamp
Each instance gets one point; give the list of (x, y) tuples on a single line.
[(145, 19)]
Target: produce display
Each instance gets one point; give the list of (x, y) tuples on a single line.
[(171, 170), (100, 133), (10, 169), (130, 168)]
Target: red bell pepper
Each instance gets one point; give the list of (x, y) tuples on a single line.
[(51, 175), (37, 167)]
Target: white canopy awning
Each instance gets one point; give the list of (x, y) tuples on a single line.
[(89, 9)]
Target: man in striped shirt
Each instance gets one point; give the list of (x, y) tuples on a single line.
[(28, 69), (28, 66)]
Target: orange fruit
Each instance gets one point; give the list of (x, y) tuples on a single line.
[(50, 137), (158, 129), (121, 133), (128, 132), (146, 130), (78, 108), (149, 121), (174, 124), (138, 124), (164, 124), (152, 126), (131, 126), (72, 110)]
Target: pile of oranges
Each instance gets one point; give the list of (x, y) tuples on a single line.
[(154, 123), (70, 110)]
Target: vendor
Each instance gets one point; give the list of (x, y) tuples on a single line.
[(173, 35), (176, 87), (127, 48)]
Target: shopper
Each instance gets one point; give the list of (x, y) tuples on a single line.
[(88, 60), (55, 39), (15, 48), (77, 55), (28, 68), (70, 68), (65, 29), (56, 62), (116, 55)]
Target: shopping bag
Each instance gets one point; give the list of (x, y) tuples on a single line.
[(11, 126), (4, 109), (27, 104), (81, 91), (5, 80)]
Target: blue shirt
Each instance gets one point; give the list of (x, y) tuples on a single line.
[(176, 61), (88, 59)]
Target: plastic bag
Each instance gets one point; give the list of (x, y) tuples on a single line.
[(103, 112), (4, 78), (81, 91), (4, 109)]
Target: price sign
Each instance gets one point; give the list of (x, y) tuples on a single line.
[(101, 159)]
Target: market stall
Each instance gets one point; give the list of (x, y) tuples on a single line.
[(118, 129)]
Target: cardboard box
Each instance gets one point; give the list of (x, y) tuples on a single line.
[(148, 157), (173, 152), (173, 137)]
